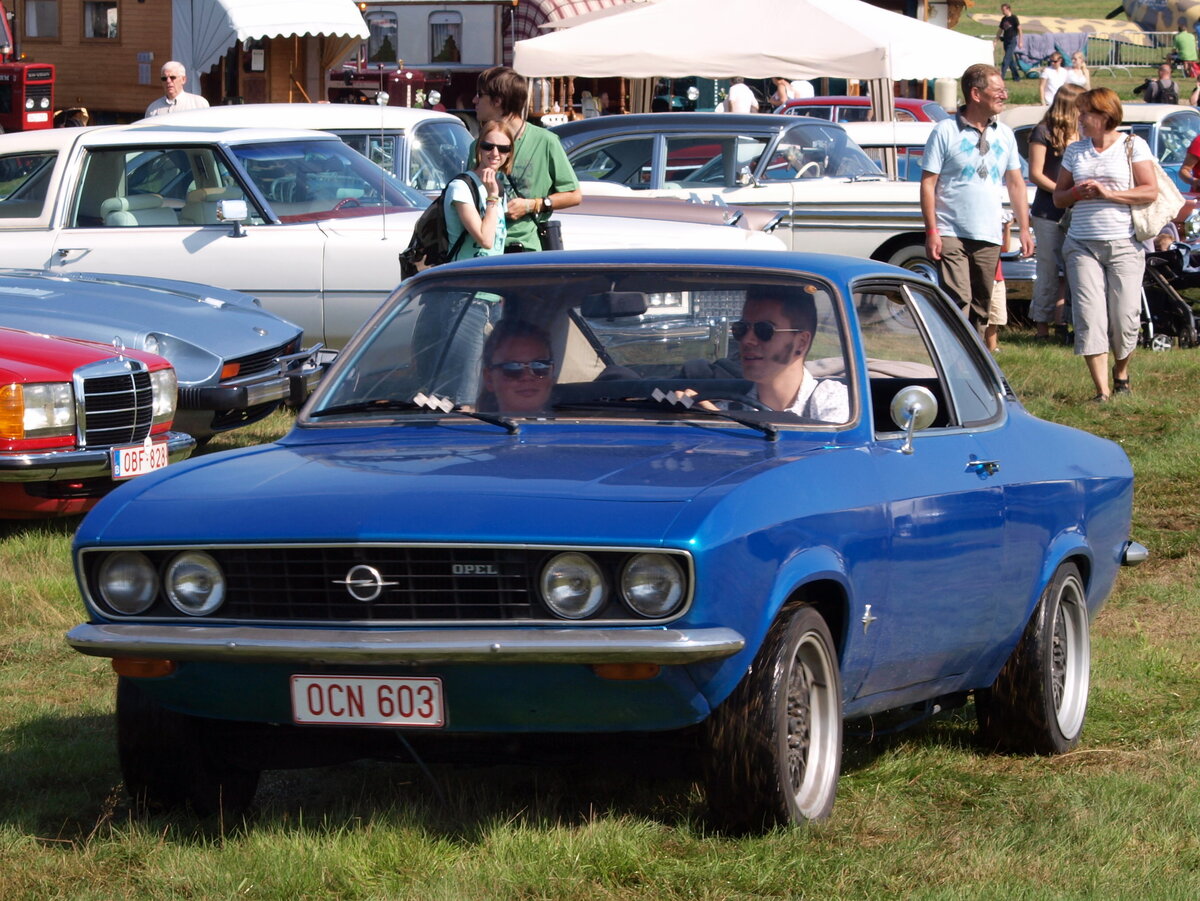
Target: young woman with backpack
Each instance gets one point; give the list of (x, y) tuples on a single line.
[(475, 200)]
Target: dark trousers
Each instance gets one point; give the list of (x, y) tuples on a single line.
[(1009, 63)]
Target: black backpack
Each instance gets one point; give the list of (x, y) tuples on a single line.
[(430, 244)]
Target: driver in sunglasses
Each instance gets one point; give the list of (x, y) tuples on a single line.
[(774, 336), (518, 369)]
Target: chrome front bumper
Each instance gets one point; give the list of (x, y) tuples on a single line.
[(54, 466), (291, 382), (243, 644)]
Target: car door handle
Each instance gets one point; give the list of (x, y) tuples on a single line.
[(984, 467), (63, 252)]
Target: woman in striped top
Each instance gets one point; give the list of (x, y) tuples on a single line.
[(1102, 176)]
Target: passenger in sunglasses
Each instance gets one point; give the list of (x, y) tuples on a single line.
[(774, 336), (518, 369), (480, 212)]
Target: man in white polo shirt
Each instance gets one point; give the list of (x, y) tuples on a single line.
[(174, 99), (969, 158)]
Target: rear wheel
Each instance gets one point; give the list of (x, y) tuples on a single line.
[(775, 745), (171, 761), (1038, 702)]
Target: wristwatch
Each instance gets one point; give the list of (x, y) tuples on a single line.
[(548, 204)]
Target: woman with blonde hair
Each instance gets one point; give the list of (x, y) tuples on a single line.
[(1058, 128), (1079, 73), (478, 215), (1102, 177)]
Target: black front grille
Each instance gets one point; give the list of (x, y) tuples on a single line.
[(427, 583), (118, 406), (263, 361)]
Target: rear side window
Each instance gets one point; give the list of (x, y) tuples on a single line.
[(24, 181)]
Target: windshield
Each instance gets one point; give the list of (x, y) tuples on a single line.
[(542, 343), (307, 180), (817, 151)]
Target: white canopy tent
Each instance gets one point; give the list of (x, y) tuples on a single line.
[(203, 30), (755, 39)]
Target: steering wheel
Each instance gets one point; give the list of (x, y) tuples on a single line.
[(345, 202), (811, 164)]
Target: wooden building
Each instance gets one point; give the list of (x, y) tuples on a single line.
[(108, 53)]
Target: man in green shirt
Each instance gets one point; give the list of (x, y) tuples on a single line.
[(1185, 51), (542, 179)]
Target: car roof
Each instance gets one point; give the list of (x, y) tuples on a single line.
[(834, 267), (323, 116), (148, 131), (659, 122), (900, 133), (852, 100)]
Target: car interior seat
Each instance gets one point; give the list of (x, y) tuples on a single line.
[(137, 209), (201, 206)]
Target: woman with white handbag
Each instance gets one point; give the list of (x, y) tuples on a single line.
[(1103, 176)]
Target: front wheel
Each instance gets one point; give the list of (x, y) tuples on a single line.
[(775, 745), (171, 761), (1038, 702)]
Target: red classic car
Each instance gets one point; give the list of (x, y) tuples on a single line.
[(858, 109), (76, 417)]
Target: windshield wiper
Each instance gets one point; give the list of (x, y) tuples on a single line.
[(421, 403)]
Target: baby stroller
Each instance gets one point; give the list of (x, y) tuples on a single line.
[(1166, 315)]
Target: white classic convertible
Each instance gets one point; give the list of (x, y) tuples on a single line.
[(296, 218)]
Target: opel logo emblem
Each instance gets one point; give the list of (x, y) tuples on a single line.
[(363, 583)]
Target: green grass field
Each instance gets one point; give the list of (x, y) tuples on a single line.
[(925, 813)]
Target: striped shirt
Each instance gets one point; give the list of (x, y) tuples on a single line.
[(1103, 220)]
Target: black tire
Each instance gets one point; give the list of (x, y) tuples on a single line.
[(171, 761), (775, 745), (1038, 702)]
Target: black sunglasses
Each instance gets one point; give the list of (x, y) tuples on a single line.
[(512, 369), (763, 331), (168, 78), (488, 145)]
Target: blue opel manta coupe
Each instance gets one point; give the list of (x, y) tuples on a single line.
[(801, 493)]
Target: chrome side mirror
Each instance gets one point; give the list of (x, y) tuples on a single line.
[(746, 178), (235, 211), (913, 408)]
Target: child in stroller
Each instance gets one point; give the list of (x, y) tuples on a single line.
[(1172, 266)]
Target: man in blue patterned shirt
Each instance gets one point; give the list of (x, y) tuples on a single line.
[(969, 159)]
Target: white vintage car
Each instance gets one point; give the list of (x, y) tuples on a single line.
[(833, 195), (296, 218)]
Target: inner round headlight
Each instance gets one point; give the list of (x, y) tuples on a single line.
[(128, 582), (194, 583), (573, 586), (652, 584)]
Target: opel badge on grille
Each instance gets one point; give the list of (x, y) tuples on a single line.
[(364, 583)]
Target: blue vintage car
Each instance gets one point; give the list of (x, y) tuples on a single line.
[(488, 519)]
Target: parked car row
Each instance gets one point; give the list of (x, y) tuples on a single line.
[(296, 218)]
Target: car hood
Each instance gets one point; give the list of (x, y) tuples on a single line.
[(101, 307), (537, 486), (28, 358)]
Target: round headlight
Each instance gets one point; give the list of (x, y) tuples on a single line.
[(30, 103), (44, 103), (194, 583), (151, 344), (128, 582), (652, 584), (573, 586)]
